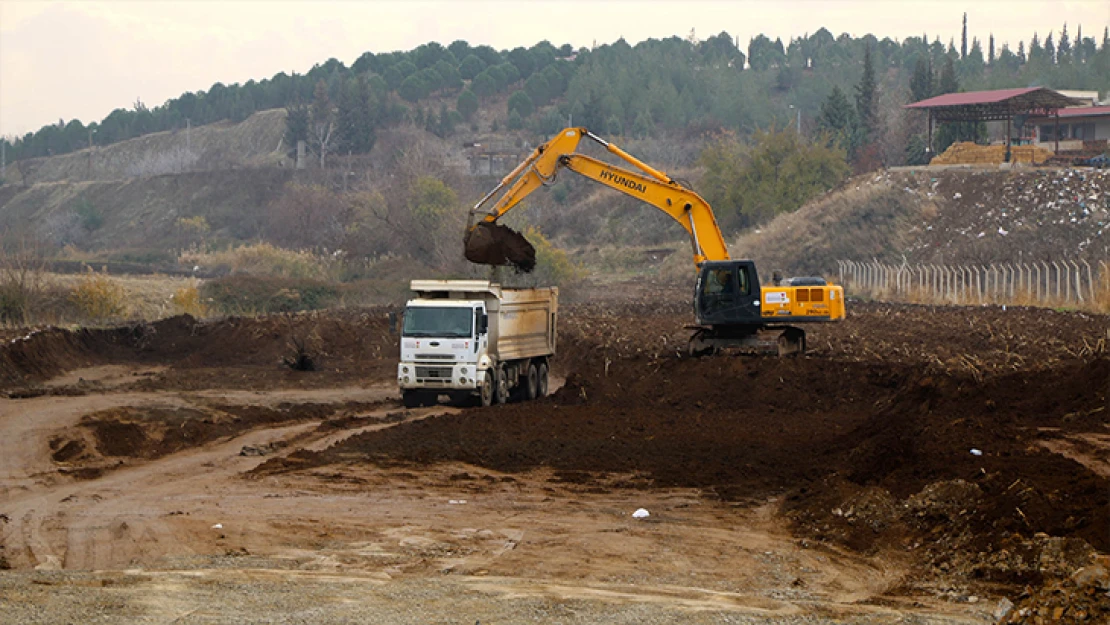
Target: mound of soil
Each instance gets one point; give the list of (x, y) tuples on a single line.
[(938, 449), (347, 344), (494, 244), (150, 432)]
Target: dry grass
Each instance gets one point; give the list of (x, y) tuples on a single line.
[(98, 298), (264, 259), (1098, 302), (147, 297)]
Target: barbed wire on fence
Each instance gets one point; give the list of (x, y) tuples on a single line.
[(1076, 283)]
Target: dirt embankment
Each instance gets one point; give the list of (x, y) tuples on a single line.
[(942, 216), (235, 352)]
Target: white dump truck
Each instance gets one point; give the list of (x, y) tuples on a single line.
[(476, 341)]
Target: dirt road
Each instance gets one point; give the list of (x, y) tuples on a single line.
[(155, 476)]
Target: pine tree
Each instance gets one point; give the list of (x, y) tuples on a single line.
[(948, 80), (1021, 52), (990, 51), (963, 40), (836, 117), (865, 96), (1050, 49), (1063, 51), (921, 84)]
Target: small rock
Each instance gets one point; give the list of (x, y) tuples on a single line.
[(1094, 576)]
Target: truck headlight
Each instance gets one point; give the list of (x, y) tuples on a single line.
[(404, 369), (462, 380), (462, 370), (406, 378)]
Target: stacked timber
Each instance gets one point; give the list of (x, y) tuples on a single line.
[(968, 153)]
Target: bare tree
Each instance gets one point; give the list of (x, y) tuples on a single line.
[(22, 279), (322, 122)]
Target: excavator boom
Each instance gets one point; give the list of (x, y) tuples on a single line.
[(651, 186)]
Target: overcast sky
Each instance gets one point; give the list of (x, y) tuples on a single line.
[(66, 60)]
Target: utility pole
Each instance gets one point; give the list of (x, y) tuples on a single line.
[(798, 126)]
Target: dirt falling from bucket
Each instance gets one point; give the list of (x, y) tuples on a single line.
[(494, 244)]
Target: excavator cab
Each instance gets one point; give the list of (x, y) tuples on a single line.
[(727, 292)]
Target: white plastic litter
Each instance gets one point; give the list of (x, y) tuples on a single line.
[(641, 514), (976, 452), (218, 526), (457, 502)]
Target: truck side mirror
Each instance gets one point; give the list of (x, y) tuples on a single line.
[(483, 324)]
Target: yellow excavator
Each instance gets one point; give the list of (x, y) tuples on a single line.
[(732, 308)]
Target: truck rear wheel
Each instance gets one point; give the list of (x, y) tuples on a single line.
[(542, 388), (532, 383)]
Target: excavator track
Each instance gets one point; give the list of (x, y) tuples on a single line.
[(781, 340)]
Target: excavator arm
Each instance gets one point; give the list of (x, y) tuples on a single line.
[(647, 185)]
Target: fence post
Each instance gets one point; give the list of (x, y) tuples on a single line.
[(1102, 276), (1057, 266), (1047, 283), (1090, 283), (966, 278), (1078, 282), (932, 288)]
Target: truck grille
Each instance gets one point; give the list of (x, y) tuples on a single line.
[(433, 372), (435, 356)]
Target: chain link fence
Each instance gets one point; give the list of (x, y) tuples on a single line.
[(1060, 283)]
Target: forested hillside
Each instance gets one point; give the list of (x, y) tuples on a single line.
[(676, 86)]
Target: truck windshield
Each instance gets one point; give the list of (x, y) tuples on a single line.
[(451, 323)]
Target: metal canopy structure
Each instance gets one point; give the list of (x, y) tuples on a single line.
[(996, 105)]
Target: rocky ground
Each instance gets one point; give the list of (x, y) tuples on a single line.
[(918, 465)]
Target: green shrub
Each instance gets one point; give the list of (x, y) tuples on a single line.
[(98, 298), (89, 216), (242, 294), (553, 266)]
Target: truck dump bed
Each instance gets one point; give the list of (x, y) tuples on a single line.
[(522, 322)]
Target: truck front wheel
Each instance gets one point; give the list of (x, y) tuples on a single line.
[(485, 394), (501, 386), (412, 399)]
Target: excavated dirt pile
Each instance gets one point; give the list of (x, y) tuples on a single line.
[(227, 353), (944, 450)]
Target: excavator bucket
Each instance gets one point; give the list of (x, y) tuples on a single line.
[(494, 244)]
